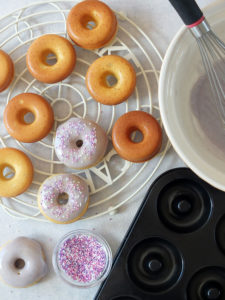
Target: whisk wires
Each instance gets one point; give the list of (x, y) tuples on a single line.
[(212, 52)]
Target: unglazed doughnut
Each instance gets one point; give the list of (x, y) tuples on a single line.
[(63, 198), (91, 24), (22, 262), (80, 143), (23, 172), (37, 58), (137, 121), (18, 107), (110, 65), (7, 70)]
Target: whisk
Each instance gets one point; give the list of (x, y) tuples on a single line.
[(212, 49)]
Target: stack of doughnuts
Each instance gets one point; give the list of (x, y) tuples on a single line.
[(79, 143)]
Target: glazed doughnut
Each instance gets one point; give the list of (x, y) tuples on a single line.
[(103, 28), (80, 143), (7, 70), (38, 53), (22, 262), (137, 121), (63, 198), (110, 65), (23, 169), (14, 114)]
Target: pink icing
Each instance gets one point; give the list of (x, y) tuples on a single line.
[(92, 150), (77, 191)]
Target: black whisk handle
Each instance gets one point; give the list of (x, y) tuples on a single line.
[(188, 10)]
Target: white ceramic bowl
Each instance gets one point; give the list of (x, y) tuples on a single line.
[(190, 119)]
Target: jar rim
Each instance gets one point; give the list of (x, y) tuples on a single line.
[(105, 246)]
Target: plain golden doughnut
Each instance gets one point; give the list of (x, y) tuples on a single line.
[(38, 53), (7, 70), (23, 169), (137, 121), (18, 107), (110, 65), (103, 20)]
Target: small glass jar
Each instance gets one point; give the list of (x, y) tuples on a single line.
[(82, 258)]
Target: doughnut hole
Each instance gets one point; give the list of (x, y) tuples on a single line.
[(76, 143), (111, 80), (79, 143), (26, 116), (49, 58), (63, 198), (7, 172), (136, 136), (89, 22), (108, 79), (29, 118), (19, 264), (91, 25)]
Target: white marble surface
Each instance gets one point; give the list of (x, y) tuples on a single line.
[(158, 19)]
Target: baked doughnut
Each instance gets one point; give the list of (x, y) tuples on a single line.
[(18, 107), (7, 70), (80, 143), (137, 121), (110, 65), (38, 53), (91, 24), (17, 161), (22, 262), (63, 198)]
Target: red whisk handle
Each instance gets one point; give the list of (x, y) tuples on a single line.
[(189, 11)]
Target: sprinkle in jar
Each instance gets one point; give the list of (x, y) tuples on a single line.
[(82, 258)]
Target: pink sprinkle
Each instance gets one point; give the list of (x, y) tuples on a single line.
[(83, 258)]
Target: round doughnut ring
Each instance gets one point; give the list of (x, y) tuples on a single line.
[(37, 58), (80, 143), (104, 67), (22, 262), (17, 161), (63, 198), (18, 107), (137, 121), (91, 24), (7, 70)]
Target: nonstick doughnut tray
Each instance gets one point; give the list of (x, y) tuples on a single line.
[(175, 247)]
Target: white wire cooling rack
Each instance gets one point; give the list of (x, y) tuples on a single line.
[(114, 181)]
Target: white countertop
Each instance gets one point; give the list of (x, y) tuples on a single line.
[(160, 22)]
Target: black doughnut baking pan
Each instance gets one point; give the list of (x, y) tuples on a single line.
[(175, 247)]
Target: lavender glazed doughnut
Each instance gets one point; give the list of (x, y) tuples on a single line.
[(63, 198), (22, 262), (80, 143)]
